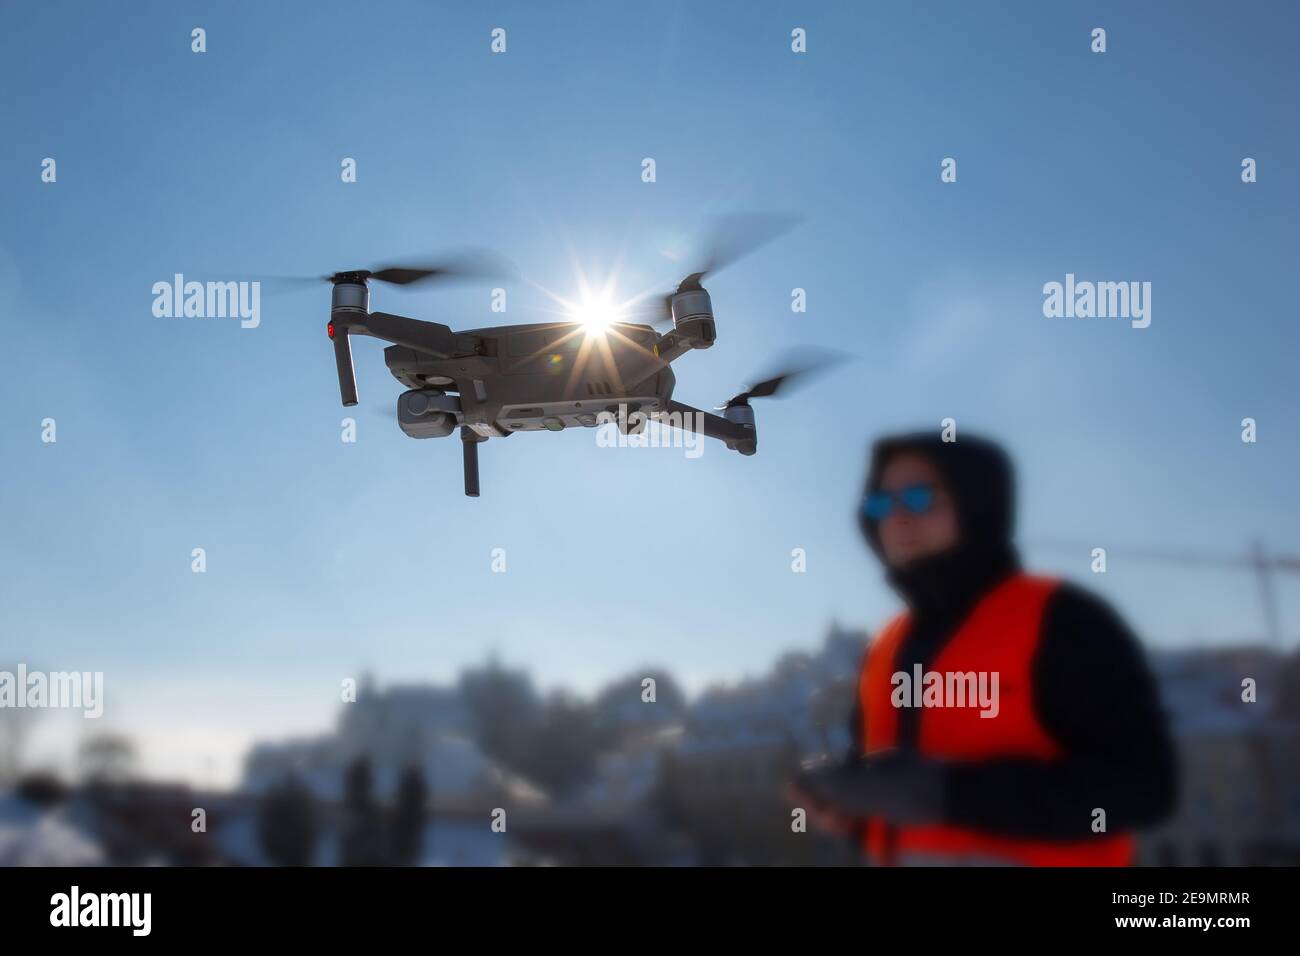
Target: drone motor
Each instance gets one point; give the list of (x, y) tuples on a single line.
[(351, 303), (692, 311)]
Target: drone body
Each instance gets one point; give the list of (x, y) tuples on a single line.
[(532, 378), (494, 382)]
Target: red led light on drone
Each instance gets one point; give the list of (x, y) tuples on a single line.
[(330, 329)]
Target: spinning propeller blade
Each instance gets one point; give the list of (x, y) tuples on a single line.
[(729, 239), (797, 370), (464, 266)]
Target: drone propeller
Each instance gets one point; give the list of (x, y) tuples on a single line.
[(735, 236), (468, 265), (802, 371), (729, 239)]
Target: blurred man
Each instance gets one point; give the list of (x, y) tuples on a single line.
[(1003, 718)]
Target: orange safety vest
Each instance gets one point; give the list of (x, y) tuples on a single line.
[(1000, 634)]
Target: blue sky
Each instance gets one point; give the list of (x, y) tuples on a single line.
[(326, 559)]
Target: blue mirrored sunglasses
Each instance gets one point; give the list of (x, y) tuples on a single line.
[(917, 499)]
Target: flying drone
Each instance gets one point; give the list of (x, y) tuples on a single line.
[(495, 382)]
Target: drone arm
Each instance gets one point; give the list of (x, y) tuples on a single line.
[(671, 346), (668, 348), (430, 337), (735, 436)]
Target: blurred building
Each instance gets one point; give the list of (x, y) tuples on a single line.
[(423, 727), (673, 782), (724, 782), (1239, 760), (704, 783)]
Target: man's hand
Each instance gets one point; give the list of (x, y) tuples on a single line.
[(895, 786), (821, 816)]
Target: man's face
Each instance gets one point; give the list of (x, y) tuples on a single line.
[(906, 535)]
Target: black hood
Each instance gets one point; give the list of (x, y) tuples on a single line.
[(979, 476)]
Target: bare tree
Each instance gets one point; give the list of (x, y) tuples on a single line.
[(106, 759), (15, 727)]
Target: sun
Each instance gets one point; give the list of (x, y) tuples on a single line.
[(596, 311)]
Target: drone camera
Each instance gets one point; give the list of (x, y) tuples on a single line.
[(425, 413)]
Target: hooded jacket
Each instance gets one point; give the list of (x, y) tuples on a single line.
[(1092, 691)]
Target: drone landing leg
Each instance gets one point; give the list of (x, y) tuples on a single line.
[(343, 359), (469, 445)]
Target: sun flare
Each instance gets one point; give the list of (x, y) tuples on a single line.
[(596, 312)]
